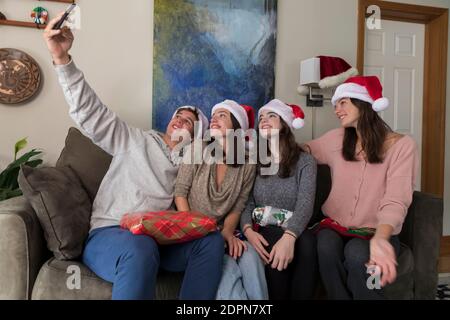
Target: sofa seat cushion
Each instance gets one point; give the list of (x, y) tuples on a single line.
[(403, 287), (54, 277)]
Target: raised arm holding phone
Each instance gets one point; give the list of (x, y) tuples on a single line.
[(59, 41), (141, 178)]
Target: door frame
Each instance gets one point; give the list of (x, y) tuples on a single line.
[(434, 83), (444, 255)]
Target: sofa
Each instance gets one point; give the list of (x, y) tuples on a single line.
[(28, 270)]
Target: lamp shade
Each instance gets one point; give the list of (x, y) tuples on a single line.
[(310, 71)]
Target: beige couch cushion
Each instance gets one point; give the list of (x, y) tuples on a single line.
[(51, 283)]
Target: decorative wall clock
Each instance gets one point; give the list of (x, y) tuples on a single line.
[(20, 76)]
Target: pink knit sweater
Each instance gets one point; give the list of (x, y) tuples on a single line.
[(364, 194)]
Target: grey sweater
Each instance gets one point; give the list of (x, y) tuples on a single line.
[(296, 194), (143, 170)]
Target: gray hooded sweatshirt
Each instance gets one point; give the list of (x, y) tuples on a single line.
[(143, 170)]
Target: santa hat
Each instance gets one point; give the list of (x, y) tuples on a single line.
[(326, 71), (367, 89), (292, 114), (202, 120), (245, 115)]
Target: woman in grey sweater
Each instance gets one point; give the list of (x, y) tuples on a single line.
[(281, 205)]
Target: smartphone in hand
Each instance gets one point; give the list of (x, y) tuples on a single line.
[(59, 24)]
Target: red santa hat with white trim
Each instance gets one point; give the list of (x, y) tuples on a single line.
[(367, 89), (244, 114), (292, 114), (326, 71)]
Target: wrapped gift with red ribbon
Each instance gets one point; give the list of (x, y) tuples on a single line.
[(169, 227)]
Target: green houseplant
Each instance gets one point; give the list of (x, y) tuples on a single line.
[(9, 187)]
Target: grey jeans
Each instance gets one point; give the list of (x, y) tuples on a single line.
[(342, 266)]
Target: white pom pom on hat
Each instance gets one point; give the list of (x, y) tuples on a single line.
[(367, 89), (299, 117), (380, 104), (298, 123)]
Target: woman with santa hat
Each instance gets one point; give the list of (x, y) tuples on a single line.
[(220, 188), (281, 205), (373, 171)]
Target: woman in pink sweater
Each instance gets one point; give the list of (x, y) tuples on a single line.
[(373, 171)]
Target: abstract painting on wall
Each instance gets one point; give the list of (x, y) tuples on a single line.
[(206, 51)]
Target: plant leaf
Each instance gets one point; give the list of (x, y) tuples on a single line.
[(19, 146), (23, 159), (10, 180), (9, 186), (13, 168), (8, 193), (34, 163)]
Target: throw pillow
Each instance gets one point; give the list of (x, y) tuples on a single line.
[(62, 206), (88, 160)]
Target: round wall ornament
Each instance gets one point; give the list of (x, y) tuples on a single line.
[(20, 76)]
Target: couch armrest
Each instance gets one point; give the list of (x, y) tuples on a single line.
[(22, 248), (422, 232)]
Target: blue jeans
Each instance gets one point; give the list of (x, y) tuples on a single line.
[(244, 278), (131, 263)]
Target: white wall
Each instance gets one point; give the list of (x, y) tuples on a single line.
[(114, 48), (308, 28)]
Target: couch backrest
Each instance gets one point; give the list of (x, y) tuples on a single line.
[(323, 188), (91, 163)]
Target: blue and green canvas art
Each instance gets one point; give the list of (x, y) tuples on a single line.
[(206, 51)]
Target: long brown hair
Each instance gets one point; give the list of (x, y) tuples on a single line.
[(290, 152), (373, 131)]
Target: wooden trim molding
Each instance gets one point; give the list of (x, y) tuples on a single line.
[(435, 86), (404, 12), (444, 256), (26, 24), (435, 80)]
